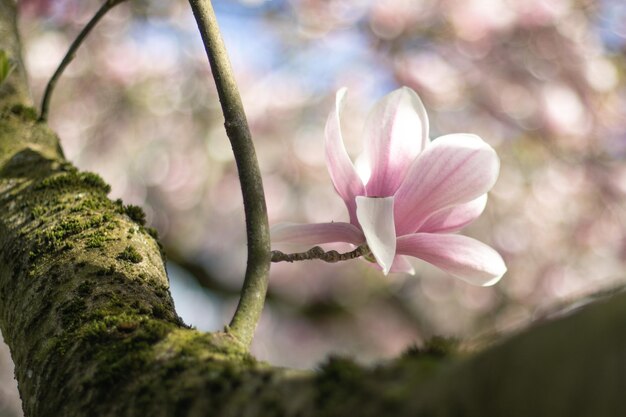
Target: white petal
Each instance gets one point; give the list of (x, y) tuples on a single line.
[(395, 133), (375, 216)]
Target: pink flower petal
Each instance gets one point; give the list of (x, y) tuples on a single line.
[(315, 234), (342, 172), (402, 265), (461, 256), (452, 219), (375, 216), (396, 131), (452, 170)]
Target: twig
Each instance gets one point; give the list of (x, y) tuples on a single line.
[(318, 253), (252, 298), (71, 52)]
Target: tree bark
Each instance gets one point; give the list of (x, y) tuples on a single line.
[(86, 311)]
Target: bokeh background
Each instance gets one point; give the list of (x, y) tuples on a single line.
[(543, 81)]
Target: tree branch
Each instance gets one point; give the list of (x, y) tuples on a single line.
[(317, 252), (71, 52), (252, 298)]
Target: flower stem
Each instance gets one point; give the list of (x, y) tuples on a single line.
[(318, 253), (252, 297), (71, 52)]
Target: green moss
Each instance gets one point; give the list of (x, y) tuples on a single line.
[(106, 272), (152, 232), (51, 240), (339, 368), (95, 181), (25, 112), (136, 213), (435, 347), (91, 203), (74, 225), (130, 254), (336, 377), (220, 347), (73, 179), (96, 331), (56, 237), (85, 288), (159, 311), (71, 310), (97, 239), (111, 323), (119, 344), (38, 211), (129, 341)]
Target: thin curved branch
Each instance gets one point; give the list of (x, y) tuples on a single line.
[(252, 298), (71, 52), (316, 252)]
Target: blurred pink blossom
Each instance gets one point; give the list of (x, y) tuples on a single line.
[(414, 195)]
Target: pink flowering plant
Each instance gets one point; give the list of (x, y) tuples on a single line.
[(419, 193)]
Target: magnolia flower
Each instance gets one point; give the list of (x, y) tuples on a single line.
[(419, 192)]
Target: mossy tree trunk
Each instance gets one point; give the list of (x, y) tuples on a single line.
[(86, 311)]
